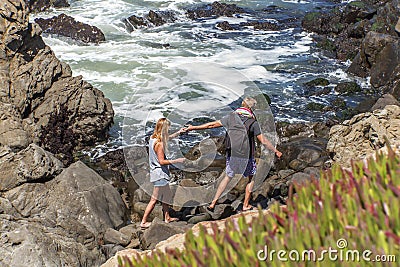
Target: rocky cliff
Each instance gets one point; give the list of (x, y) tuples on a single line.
[(50, 214), (38, 93)]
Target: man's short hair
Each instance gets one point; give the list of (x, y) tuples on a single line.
[(249, 102)]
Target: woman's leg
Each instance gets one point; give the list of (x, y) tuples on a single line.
[(150, 207)]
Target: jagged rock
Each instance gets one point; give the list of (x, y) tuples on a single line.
[(78, 193), (42, 5), (264, 190), (289, 132), (317, 82), (131, 230), (385, 100), (176, 242), (152, 19), (39, 88), (262, 25), (299, 178), (109, 250), (32, 243), (140, 207), (112, 236), (363, 134), (12, 132), (221, 211), (58, 223), (199, 218), (216, 9), (226, 26), (302, 153), (32, 164), (159, 231), (347, 88), (65, 25)]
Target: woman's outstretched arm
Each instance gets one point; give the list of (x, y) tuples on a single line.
[(159, 148)]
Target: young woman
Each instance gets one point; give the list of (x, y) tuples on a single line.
[(159, 171)]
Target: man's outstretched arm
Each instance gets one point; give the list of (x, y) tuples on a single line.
[(209, 125), (268, 145)]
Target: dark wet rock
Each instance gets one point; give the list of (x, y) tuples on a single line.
[(321, 23), (292, 131), (317, 82), (65, 25), (379, 56), (42, 5), (364, 32), (387, 17), (306, 152), (32, 164), (215, 9), (338, 104), (202, 217), (348, 88), (226, 26), (315, 106), (152, 19), (263, 189), (262, 25)]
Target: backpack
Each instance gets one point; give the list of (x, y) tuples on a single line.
[(237, 141)]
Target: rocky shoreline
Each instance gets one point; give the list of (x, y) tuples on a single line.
[(56, 210)]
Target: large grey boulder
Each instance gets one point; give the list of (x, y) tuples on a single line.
[(78, 193), (60, 222), (26, 242), (32, 164)]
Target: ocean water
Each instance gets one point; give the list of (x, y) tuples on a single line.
[(191, 70)]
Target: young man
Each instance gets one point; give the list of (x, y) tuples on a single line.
[(245, 165)]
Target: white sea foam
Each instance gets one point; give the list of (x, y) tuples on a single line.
[(202, 69)]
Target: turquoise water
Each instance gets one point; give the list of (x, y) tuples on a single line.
[(146, 80)]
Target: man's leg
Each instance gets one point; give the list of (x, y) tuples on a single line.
[(220, 190), (166, 198), (249, 189)]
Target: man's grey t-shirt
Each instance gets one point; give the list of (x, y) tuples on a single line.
[(254, 131)]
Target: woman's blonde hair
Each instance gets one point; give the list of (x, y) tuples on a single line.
[(249, 102), (161, 131)]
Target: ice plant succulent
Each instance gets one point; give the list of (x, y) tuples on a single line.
[(355, 213)]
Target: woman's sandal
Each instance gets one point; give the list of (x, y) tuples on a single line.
[(145, 225)]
